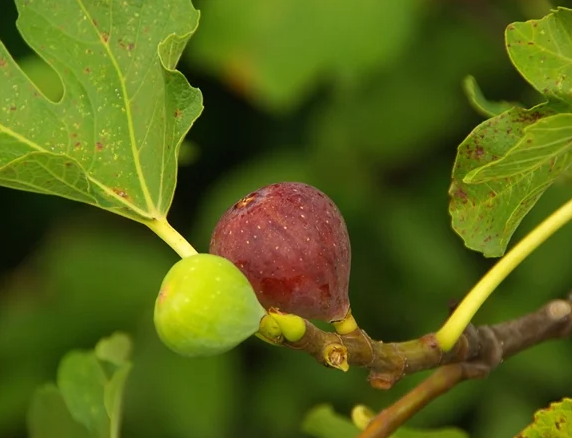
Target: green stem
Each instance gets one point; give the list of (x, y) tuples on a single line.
[(449, 334), (172, 237)]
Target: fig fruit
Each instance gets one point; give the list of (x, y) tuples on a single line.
[(206, 306), (291, 242)]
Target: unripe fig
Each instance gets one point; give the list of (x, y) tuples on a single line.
[(291, 242), (206, 306)]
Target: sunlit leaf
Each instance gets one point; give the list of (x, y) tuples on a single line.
[(113, 139), (541, 50), (552, 422)]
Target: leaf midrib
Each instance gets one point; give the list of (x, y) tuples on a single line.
[(135, 153)]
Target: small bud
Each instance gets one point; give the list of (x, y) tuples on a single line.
[(293, 327), (336, 356)]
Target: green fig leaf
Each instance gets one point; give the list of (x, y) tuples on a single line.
[(483, 106), (112, 141), (505, 165), (486, 213), (541, 50), (87, 399), (552, 422)]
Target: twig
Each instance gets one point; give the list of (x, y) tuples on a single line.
[(497, 343), (390, 362)]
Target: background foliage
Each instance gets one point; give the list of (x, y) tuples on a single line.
[(366, 104)]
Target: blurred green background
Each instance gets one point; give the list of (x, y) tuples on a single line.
[(363, 101)]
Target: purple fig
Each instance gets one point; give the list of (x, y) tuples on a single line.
[(291, 242)]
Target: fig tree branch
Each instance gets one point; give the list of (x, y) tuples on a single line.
[(478, 351), (390, 362)]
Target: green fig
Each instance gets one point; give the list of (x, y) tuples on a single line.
[(206, 306)]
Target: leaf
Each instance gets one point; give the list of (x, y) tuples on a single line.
[(88, 393), (545, 143), (323, 422), (541, 50), (81, 380), (552, 422), (486, 214), (113, 139), (115, 349), (49, 417), (505, 165), (480, 103)]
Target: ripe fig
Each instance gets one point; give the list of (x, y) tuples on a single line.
[(206, 306), (291, 242)]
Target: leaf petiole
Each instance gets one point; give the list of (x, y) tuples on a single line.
[(449, 334), (172, 237)]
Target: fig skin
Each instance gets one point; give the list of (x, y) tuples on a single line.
[(205, 307), (291, 242)]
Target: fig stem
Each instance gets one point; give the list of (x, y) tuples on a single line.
[(453, 328), (172, 237), (346, 325)]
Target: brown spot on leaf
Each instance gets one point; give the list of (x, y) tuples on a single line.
[(121, 192), (2, 62), (99, 146), (13, 108), (461, 194), (87, 70), (105, 37), (178, 113), (67, 163)]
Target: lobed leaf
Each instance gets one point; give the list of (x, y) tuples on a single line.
[(552, 422), (112, 140)]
